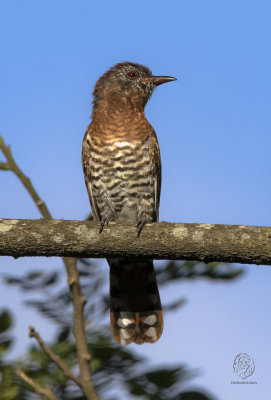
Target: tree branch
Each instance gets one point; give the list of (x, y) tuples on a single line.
[(83, 355), (44, 391), (11, 165), (54, 357), (4, 165), (199, 242)]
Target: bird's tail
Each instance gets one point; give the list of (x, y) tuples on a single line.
[(135, 307)]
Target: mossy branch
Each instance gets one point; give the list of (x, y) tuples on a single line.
[(169, 241)]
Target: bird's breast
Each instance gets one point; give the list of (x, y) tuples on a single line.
[(121, 173)]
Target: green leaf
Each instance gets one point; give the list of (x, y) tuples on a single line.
[(51, 279), (5, 321), (4, 345), (63, 335), (164, 377)]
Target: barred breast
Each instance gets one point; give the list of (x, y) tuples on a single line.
[(121, 177)]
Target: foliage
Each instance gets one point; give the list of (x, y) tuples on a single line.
[(116, 369)]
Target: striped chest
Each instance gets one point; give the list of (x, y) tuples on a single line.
[(121, 175)]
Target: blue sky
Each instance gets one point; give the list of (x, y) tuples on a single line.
[(213, 127)]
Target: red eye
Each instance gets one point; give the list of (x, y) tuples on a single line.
[(132, 74)]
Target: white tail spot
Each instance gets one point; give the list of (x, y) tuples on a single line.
[(151, 332), (125, 321), (126, 334), (150, 320)]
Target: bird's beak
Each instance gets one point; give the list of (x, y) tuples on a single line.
[(158, 80)]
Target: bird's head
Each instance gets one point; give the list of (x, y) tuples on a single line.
[(128, 83)]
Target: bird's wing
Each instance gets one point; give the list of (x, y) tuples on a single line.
[(87, 174), (156, 171)]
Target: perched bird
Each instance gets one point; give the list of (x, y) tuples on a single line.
[(122, 168)]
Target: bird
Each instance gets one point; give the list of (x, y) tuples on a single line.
[(122, 169)]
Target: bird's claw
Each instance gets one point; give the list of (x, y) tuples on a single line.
[(104, 220), (140, 226), (101, 226)]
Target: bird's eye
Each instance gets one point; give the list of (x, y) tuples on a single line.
[(132, 74)]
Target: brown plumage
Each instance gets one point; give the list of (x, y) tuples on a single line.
[(122, 168)]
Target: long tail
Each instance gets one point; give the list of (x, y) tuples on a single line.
[(135, 307)]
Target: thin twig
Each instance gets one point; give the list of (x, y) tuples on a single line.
[(86, 382), (44, 391), (54, 357), (12, 166), (4, 166)]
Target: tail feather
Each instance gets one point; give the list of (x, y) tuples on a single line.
[(135, 307), (138, 327)]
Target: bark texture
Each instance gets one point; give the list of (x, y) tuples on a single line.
[(171, 241)]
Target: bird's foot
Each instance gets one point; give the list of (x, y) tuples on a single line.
[(140, 224), (107, 217)]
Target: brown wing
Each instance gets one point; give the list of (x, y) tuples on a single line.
[(156, 171), (87, 174)]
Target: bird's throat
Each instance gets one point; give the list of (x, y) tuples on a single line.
[(121, 121)]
